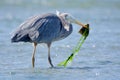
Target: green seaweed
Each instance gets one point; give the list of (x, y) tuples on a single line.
[(85, 33)]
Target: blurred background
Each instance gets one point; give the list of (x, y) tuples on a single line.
[(98, 58)]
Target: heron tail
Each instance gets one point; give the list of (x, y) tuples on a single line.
[(19, 37)]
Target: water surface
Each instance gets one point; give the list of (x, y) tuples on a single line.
[(98, 58)]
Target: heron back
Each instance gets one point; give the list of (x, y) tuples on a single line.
[(42, 29)]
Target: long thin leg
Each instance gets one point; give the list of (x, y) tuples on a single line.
[(33, 55), (49, 58)]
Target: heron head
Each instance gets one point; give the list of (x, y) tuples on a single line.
[(69, 18)]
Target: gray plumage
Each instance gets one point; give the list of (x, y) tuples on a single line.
[(42, 29), (45, 29)]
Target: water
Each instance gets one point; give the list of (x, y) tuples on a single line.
[(98, 58)]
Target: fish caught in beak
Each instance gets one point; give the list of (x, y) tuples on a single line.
[(84, 31)]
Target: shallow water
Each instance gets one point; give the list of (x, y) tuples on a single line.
[(98, 58)]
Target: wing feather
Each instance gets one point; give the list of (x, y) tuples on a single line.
[(39, 28)]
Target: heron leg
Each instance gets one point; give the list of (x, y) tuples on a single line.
[(33, 55), (49, 58)]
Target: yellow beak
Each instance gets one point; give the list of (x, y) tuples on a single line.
[(79, 23)]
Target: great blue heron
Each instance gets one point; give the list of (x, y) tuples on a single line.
[(45, 28)]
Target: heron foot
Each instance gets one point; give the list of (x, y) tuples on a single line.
[(49, 59)]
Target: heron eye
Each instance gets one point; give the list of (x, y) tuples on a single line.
[(66, 16)]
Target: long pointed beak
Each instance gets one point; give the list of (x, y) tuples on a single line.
[(79, 23)]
